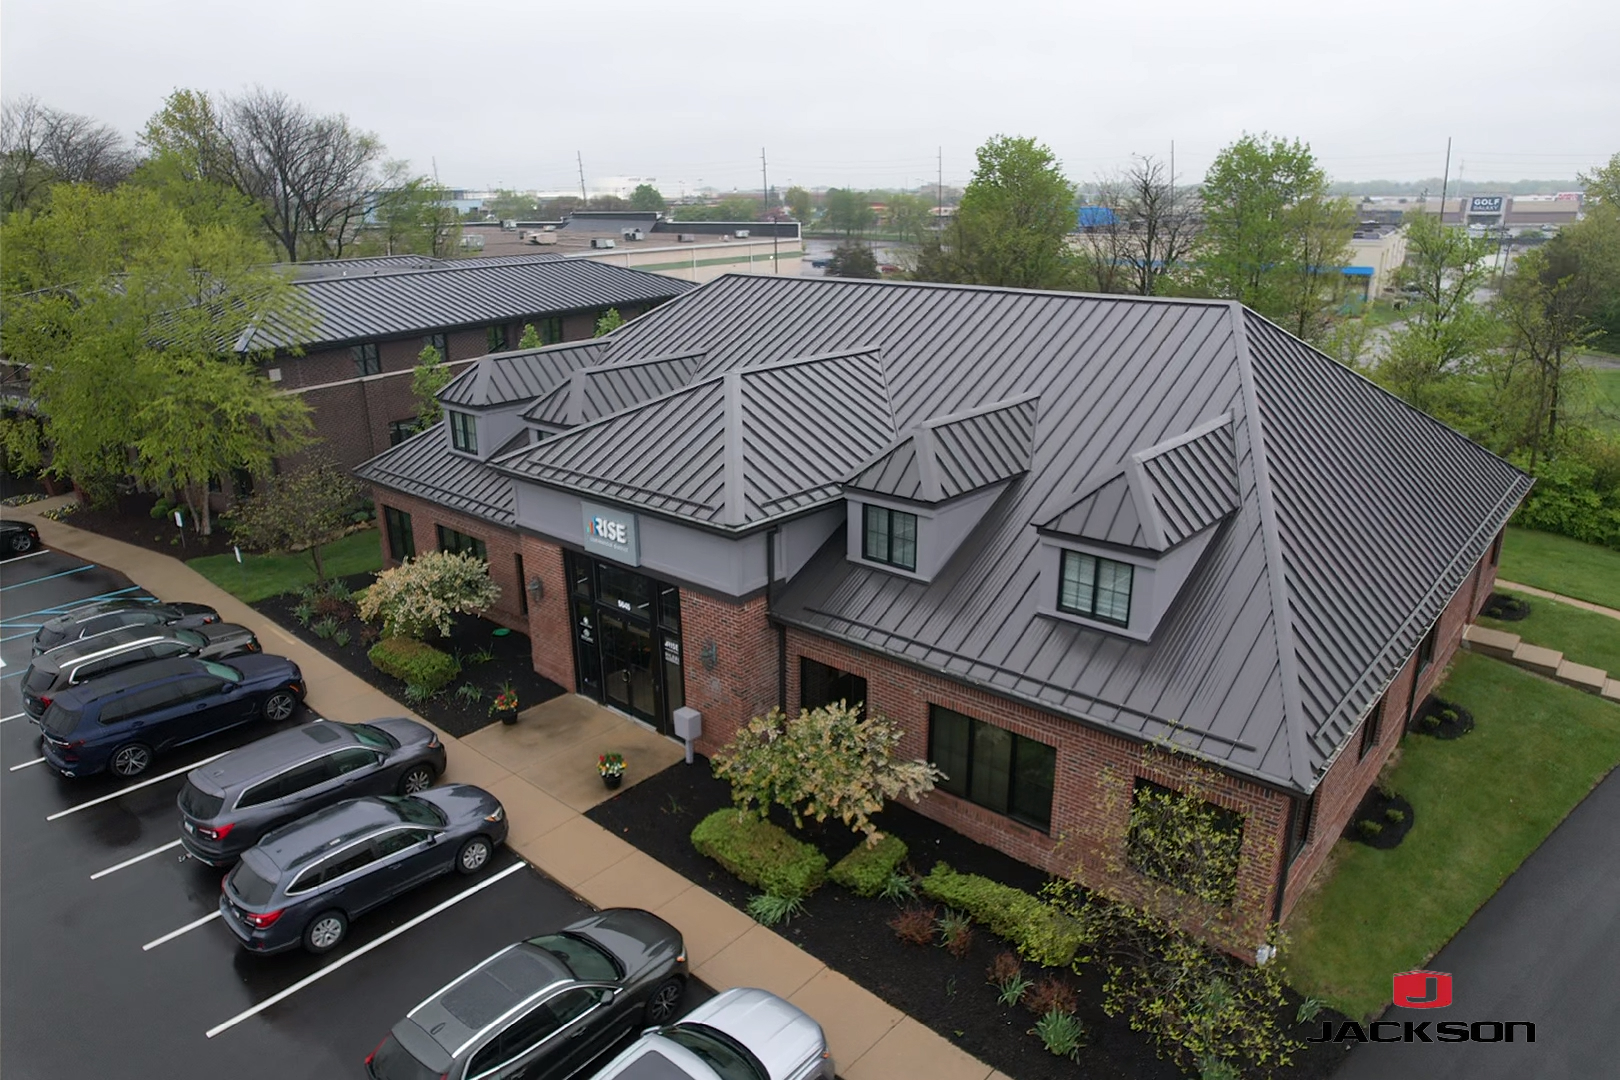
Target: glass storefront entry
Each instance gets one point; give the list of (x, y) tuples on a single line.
[(627, 639)]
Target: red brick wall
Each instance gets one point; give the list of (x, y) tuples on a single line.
[(743, 683), (551, 626), (501, 544)]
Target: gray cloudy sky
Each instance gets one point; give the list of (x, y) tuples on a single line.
[(862, 93)]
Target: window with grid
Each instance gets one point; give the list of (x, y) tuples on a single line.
[(495, 337), (1369, 730), (1096, 588), (401, 540), (459, 542), (821, 684), (438, 342), (550, 329), (1426, 649), (463, 432), (400, 430), (992, 767), (366, 360), (889, 537)]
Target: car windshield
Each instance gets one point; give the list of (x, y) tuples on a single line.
[(190, 638), (248, 885), (588, 961), (224, 671), (375, 738), (729, 1059), (414, 810), (59, 720)]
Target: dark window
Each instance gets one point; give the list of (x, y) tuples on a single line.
[(441, 342), (1194, 849), (400, 839), (463, 432), (401, 540), (523, 584), (624, 589), (1096, 588), (669, 607), (366, 360), (296, 779), (495, 338), (550, 329), (452, 541), (1369, 729), (1299, 826), (251, 886), (1426, 649), (580, 571), (889, 536), (570, 1005), (822, 685), (993, 767), (523, 1034), (347, 862), (400, 430), (355, 757)]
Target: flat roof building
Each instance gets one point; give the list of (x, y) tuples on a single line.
[(1043, 532)]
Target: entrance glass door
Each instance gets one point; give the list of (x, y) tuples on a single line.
[(627, 666)]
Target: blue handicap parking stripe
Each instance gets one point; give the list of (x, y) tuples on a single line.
[(47, 577)]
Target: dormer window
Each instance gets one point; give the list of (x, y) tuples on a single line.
[(463, 432), (889, 537), (1095, 588)]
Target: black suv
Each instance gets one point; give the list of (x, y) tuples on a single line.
[(107, 615), (92, 657)]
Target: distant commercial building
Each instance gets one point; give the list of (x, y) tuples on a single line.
[(1490, 212), (1376, 253)]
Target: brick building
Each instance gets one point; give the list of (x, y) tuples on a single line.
[(371, 318), (1045, 533)]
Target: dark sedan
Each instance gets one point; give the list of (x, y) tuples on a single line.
[(92, 657), (107, 615), (227, 805), (548, 1006), (302, 883), (17, 538), (123, 720)]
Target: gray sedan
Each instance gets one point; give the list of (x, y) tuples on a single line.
[(742, 1034), (228, 804), (303, 883)]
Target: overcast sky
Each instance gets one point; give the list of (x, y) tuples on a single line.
[(502, 92)]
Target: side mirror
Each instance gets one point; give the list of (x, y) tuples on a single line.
[(607, 994)]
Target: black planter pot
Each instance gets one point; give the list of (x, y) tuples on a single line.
[(611, 782), (508, 716)]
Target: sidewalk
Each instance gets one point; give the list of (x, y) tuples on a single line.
[(1585, 605), (541, 771)]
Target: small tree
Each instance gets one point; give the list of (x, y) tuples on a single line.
[(298, 511), (530, 338), (647, 197), (853, 259), (432, 374), (418, 597), (828, 762), (610, 321)]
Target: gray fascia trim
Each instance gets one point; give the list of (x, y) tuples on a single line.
[(928, 486), (1299, 764)]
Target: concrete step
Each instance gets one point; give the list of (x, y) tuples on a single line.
[(1582, 676), (1611, 690), (1497, 643), (1537, 659)]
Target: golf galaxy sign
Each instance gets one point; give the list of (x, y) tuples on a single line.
[(1426, 990)]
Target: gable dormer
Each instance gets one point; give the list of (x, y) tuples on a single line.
[(1116, 555), (911, 506), (484, 404), (593, 392)]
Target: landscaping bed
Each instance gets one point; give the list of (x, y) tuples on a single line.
[(130, 519), (1442, 719), (1381, 820), (1584, 637), (456, 711), (950, 994)]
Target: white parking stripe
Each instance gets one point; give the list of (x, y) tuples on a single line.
[(30, 555), (99, 874), (172, 934), (13, 716), (133, 787), (358, 953), (25, 764)]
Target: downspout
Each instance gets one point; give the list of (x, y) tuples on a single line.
[(1287, 861), (781, 629)]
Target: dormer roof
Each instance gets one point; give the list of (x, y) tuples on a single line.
[(591, 393), (951, 455), (520, 375)]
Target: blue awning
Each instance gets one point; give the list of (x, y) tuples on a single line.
[(1356, 271)]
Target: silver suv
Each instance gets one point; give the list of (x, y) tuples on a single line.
[(742, 1034)]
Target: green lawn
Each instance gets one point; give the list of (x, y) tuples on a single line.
[(1583, 636), (260, 577), (1562, 565), (1606, 398), (1481, 804)]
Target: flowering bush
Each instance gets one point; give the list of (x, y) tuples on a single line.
[(827, 762), (419, 596), (610, 764)]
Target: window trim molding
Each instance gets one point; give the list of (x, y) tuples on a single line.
[(916, 537), (1064, 555), (1012, 769), (362, 360), (451, 418)]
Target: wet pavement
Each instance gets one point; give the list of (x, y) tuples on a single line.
[(112, 965)]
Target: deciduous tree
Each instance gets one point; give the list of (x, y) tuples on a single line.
[(430, 376), (799, 204), (853, 259), (302, 510), (647, 197), (413, 216), (1146, 236), (41, 146), (848, 211)]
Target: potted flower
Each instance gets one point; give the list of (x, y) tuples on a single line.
[(505, 705), (611, 766)]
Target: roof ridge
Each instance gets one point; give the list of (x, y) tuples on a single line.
[(459, 266), (980, 410), (1192, 434), (736, 510), (1276, 571), (927, 463), (1172, 301)]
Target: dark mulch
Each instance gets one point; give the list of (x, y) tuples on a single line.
[(851, 935), (512, 662), (1505, 607), (130, 520), (1375, 807), (1442, 719)]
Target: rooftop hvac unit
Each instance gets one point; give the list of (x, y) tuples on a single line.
[(542, 238), (603, 242), (742, 234), (686, 238)]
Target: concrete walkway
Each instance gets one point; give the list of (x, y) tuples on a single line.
[(543, 771), (1585, 605)]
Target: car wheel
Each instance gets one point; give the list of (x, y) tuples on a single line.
[(665, 1001), (279, 705), (131, 759), (417, 779), (325, 931), (473, 855), (21, 543)]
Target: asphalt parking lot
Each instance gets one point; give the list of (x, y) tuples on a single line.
[(113, 959)]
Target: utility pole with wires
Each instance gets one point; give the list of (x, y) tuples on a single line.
[(765, 209), (583, 198), (1445, 181)]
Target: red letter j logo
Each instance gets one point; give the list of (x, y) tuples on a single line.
[(1422, 989)]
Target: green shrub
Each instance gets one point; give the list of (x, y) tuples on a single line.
[(1394, 815), (769, 909), (1061, 1033), (1040, 932), (899, 888), (866, 870), (1369, 828), (760, 854), (414, 663), (324, 628)]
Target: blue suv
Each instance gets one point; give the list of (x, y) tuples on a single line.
[(123, 720)]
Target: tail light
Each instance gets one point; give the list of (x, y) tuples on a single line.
[(260, 922), (216, 834), (372, 1056), (45, 702)]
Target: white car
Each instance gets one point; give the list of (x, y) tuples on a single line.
[(742, 1034)]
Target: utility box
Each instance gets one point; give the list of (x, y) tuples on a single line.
[(742, 234), (686, 238), (688, 724)]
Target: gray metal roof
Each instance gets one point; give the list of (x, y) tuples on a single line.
[(947, 456), (734, 449), (521, 375), (425, 466), (462, 293), (1356, 517), (591, 393)]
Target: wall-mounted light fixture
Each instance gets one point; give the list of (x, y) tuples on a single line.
[(710, 655), (537, 589)]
